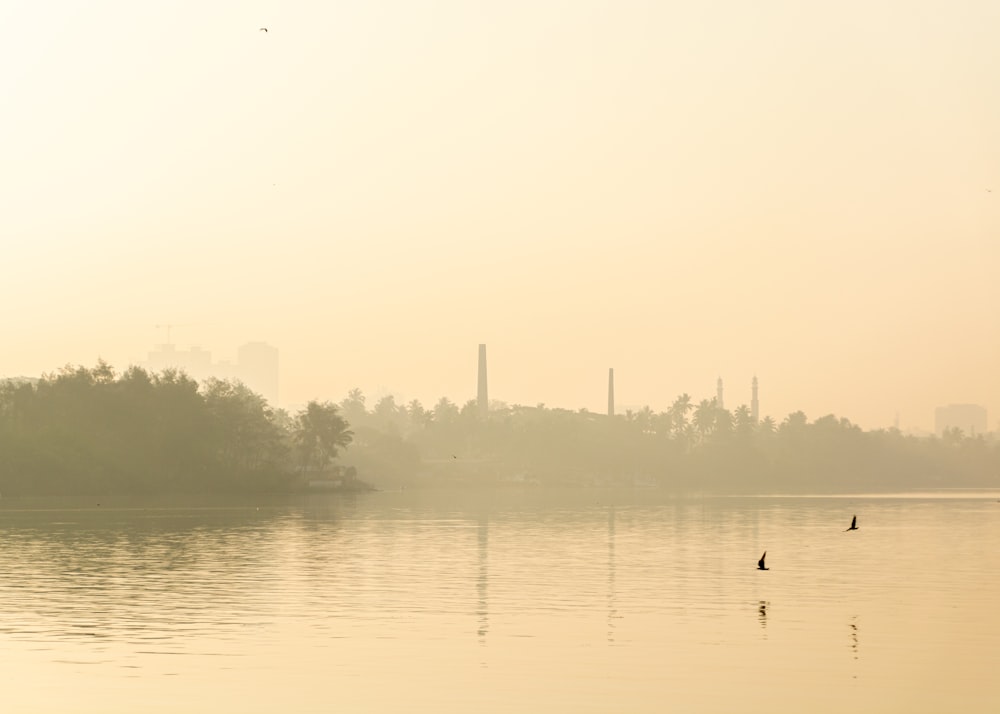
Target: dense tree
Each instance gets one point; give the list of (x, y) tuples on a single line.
[(713, 450), (743, 420), (418, 417), (353, 407), (90, 431), (678, 414), (320, 433), (95, 431), (704, 418)]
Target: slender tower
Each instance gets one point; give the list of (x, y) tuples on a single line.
[(718, 394), (754, 404), (611, 391), (482, 397)]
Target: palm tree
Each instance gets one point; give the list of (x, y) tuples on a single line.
[(387, 414), (354, 407), (744, 420), (320, 432), (704, 417), (723, 422), (678, 413), (419, 417)]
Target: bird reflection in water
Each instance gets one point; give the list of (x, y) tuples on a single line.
[(762, 612), (854, 636)]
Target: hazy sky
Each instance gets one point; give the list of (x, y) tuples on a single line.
[(678, 190)]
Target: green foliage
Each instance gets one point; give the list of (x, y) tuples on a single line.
[(319, 433), (93, 431), (693, 447), (89, 431)]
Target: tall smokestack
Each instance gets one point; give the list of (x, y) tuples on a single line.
[(611, 391), (754, 405), (483, 397), (718, 394)]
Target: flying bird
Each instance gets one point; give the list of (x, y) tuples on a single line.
[(263, 29), (760, 563), (854, 525)]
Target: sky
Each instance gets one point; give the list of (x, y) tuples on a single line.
[(805, 192)]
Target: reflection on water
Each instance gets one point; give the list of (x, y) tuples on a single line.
[(483, 612), (415, 602), (612, 610)]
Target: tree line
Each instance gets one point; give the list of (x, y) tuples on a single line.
[(91, 430), (691, 446)]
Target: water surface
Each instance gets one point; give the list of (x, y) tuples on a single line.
[(531, 601)]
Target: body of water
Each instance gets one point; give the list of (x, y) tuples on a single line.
[(504, 602)]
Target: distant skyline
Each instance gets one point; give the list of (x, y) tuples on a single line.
[(266, 384), (256, 365), (808, 193)]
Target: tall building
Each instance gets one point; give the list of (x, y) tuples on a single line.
[(718, 394), (257, 367), (611, 391), (970, 418), (483, 397), (194, 362), (754, 404)]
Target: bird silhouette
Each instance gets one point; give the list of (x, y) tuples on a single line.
[(760, 563), (263, 29), (854, 525)]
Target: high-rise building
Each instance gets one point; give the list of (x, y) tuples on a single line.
[(718, 394), (256, 366), (970, 418), (195, 362), (482, 397), (611, 391), (754, 404)]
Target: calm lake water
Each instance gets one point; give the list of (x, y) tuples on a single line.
[(504, 602)]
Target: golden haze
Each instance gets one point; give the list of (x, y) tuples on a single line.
[(677, 190)]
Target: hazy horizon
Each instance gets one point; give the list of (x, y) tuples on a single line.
[(680, 192)]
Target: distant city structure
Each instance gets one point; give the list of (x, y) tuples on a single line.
[(754, 404), (718, 394), (482, 396), (611, 391), (256, 366), (970, 418)]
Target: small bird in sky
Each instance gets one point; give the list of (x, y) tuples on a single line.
[(263, 29), (760, 563), (854, 525)]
